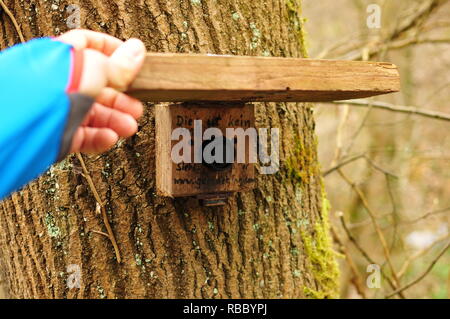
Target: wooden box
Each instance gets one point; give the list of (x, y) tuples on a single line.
[(190, 179)]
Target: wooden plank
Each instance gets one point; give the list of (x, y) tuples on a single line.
[(167, 77)]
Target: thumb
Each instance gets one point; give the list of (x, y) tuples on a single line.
[(124, 64)]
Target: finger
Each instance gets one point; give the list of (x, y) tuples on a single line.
[(121, 102), (87, 39), (94, 76), (125, 63), (101, 116), (93, 140)]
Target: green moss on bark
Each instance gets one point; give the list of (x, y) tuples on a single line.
[(322, 258), (317, 242), (301, 166), (294, 9)]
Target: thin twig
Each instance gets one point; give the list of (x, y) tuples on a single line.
[(401, 223), (420, 253), (375, 224), (401, 44), (14, 21), (394, 213), (398, 108), (415, 41), (423, 275), (100, 233), (440, 211), (421, 14), (337, 156), (355, 158), (343, 115), (363, 252), (367, 221), (358, 131), (357, 281), (379, 168), (343, 163), (336, 45), (111, 236)]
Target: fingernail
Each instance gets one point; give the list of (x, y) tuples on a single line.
[(135, 48), (124, 63)]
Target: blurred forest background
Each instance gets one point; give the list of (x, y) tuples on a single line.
[(387, 173), (386, 160)]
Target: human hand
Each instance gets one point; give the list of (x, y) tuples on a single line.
[(109, 67)]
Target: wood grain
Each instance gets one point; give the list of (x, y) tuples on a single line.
[(195, 77)]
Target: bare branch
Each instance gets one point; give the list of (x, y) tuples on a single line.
[(373, 218), (425, 273), (419, 254), (100, 233), (363, 252), (440, 211), (11, 16), (415, 41), (398, 108), (420, 16), (357, 280), (342, 164), (100, 203), (355, 158)]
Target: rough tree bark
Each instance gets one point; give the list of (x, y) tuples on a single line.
[(272, 242)]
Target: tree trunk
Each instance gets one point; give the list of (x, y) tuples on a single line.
[(271, 242)]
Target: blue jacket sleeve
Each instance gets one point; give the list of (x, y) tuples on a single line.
[(38, 112)]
